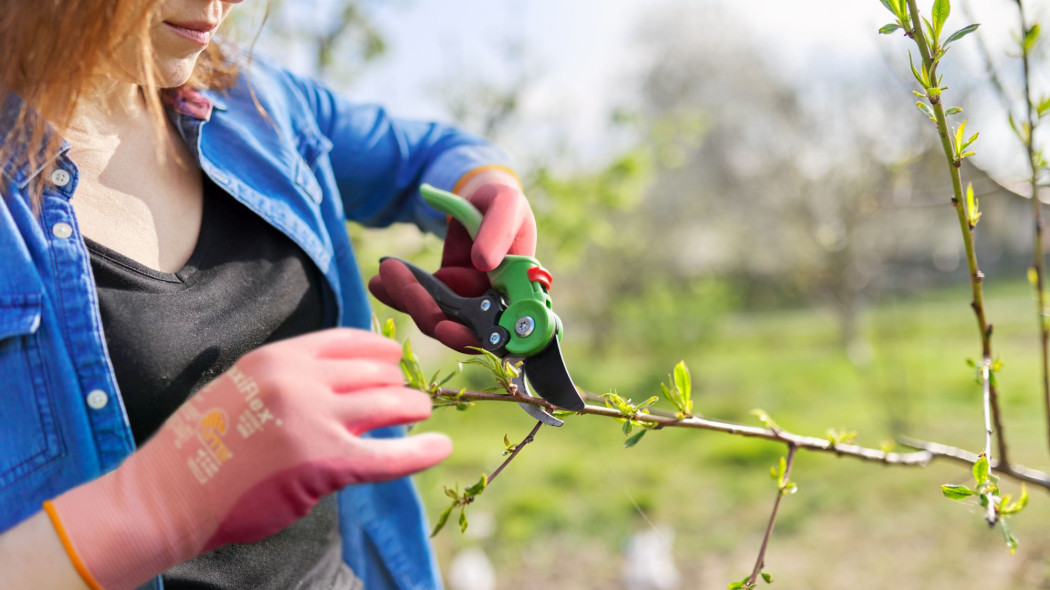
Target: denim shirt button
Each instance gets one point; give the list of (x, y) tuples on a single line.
[(60, 177), (97, 399), (62, 230)]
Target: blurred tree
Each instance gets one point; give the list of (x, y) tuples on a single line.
[(336, 37), (783, 190)]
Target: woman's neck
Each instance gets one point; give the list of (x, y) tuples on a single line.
[(109, 108)]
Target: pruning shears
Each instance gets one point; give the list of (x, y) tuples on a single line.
[(513, 320)]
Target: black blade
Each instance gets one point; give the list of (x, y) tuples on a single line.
[(482, 320), (446, 298), (549, 377)]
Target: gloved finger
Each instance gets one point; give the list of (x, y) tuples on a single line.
[(465, 281), (388, 285), (381, 459), (458, 243), (377, 288), (360, 344), (350, 375), (339, 342), (368, 409), (287, 495), (456, 336), (507, 226), (421, 306)]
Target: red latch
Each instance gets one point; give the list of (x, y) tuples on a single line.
[(538, 274)]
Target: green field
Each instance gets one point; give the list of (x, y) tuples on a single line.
[(559, 516)]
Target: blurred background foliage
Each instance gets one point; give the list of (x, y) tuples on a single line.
[(791, 238)]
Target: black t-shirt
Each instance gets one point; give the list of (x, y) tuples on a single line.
[(168, 334)]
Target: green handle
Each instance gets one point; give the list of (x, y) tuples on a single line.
[(454, 205), (526, 299)]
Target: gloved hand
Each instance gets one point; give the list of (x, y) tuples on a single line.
[(507, 227), (248, 455)]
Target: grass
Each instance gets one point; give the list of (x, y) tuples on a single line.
[(564, 509)]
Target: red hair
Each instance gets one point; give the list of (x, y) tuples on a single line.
[(53, 49)]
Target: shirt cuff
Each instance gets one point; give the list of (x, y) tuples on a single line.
[(448, 170)]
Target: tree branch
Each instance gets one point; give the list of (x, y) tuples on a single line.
[(927, 452), (976, 276)]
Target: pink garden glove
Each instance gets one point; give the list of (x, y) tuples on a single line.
[(248, 455), (507, 227)]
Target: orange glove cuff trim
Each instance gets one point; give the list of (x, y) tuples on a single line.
[(463, 180), (67, 544)]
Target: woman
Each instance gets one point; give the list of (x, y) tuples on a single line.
[(172, 244)]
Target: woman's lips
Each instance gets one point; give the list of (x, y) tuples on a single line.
[(198, 31)]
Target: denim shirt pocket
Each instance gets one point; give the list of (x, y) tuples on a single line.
[(312, 146), (28, 434)]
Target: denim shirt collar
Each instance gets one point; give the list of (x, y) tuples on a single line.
[(15, 119), (18, 165)]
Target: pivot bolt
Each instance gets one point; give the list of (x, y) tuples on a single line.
[(494, 338), (525, 326), (486, 305)]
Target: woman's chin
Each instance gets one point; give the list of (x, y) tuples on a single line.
[(175, 73)]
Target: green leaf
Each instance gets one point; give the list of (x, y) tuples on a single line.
[(666, 392), (925, 108), (931, 34), (442, 520), (633, 440), (463, 520), (768, 578), (952, 111), (1023, 500), (389, 330), (956, 492), (941, 9), (960, 34), (742, 584), (1014, 507), (1031, 37), (890, 8), (959, 131), (887, 29), (921, 77), (1043, 107), (764, 418), (1011, 542), (973, 213), (683, 381), (980, 469), (479, 487)]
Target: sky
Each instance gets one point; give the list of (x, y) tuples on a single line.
[(579, 54)]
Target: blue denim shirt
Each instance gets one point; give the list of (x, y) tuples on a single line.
[(313, 161)]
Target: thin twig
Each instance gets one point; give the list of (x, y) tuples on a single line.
[(986, 387), (1013, 470), (517, 449), (760, 562), (1028, 140), (1037, 216)]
